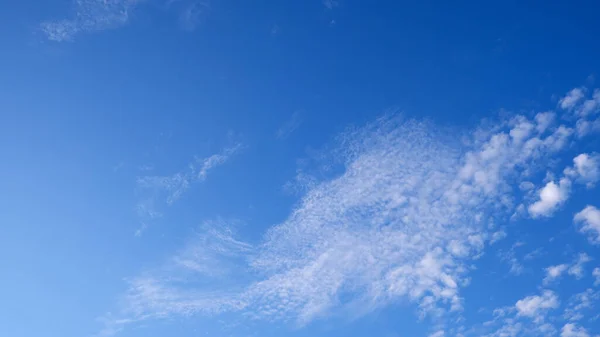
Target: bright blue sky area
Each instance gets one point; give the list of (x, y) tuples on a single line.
[(306, 168)]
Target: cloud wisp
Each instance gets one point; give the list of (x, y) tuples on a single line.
[(289, 126), (98, 15), (90, 16), (156, 190)]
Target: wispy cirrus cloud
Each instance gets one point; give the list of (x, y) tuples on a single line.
[(402, 221), (289, 126), (90, 16), (176, 184), (191, 12), (580, 304), (156, 190), (98, 15)]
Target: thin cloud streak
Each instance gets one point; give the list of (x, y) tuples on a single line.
[(90, 16), (155, 191), (289, 126)]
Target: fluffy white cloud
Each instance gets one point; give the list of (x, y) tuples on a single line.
[(589, 218), (572, 99), (572, 330), (586, 169), (554, 272), (537, 306), (551, 197)]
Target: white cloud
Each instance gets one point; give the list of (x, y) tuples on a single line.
[(554, 272), (551, 197), (584, 110), (589, 217), (544, 120), (590, 106), (585, 127), (572, 98), (90, 16), (596, 274), (509, 256), (215, 160), (579, 303), (183, 285), (401, 223), (586, 169), (536, 307), (156, 190), (572, 330), (497, 236), (176, 184), (577, 268), (439, 333)]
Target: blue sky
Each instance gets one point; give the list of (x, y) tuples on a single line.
[(306, 168)]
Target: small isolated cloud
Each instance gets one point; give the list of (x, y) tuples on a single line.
[(586, 169), (331, 4), (589, 218), (140, 230), (554, 272), (572, 330), (176, 184), (289, 126), (192, 14), (155, 190), (208, 164), (537, 306), (439, 333), (596, 274), (510, 257), (576, 269), (551, 197), (90, 16), (497, 236), (572, 98)]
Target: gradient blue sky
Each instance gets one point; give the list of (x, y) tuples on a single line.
[(299, 168)]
